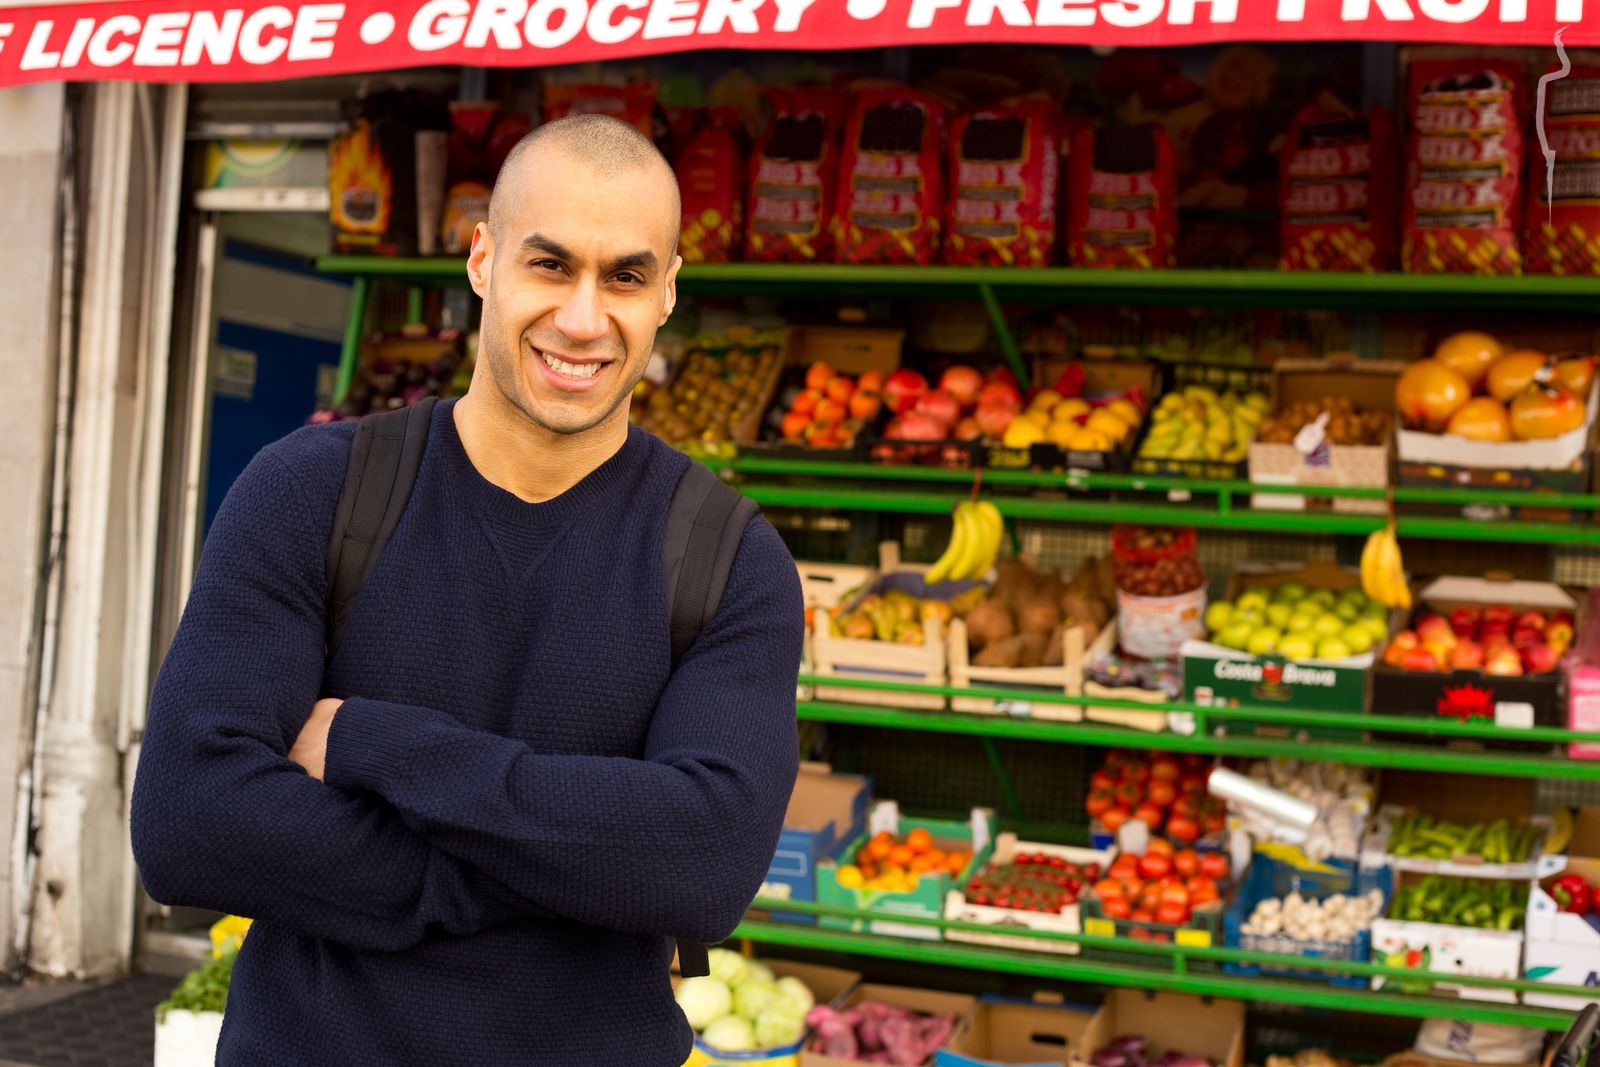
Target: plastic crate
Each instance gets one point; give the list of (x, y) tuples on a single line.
[(1273, 878)]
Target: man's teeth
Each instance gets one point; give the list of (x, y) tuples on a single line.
[(572, 370)]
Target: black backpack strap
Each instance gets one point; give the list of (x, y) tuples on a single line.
[(384, 459), (705, 524)]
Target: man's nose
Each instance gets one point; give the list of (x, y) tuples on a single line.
[(581, 316)]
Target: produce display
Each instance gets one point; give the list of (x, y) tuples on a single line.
[(1155, 561), (1500, 841), (1496, 640), (1154, 887), (1485, 905), (875, 1032), (1166, 792), (1023, 620), (1575, 895), (1334, 918), (1297, 622), (965, 406), (1341, 794), (1473, 386), (895, 615), (1032, 881), (831, 408), (715, 395), (974, 543), (741, 1006), (1346, 424), (1133, 1050), (894, 864), (1071, 422), (1199, 423)]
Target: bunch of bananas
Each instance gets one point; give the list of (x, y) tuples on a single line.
[(1383, 572), (974, 543)]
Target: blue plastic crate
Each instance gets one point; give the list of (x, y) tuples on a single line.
[(1272, 878)]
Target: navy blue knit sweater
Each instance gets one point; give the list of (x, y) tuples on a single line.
[(521, 807)]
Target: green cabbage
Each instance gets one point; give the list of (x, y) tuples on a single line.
[(731, 1034), (729, 968), (760, 970), (792, 988), (704, 1000), (752, 998), (780, 1024)]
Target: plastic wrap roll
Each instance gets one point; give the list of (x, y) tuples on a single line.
[(1247, 793)]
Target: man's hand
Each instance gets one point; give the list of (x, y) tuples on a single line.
[(311, 747)]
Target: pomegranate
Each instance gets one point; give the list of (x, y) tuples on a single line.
[(1541, 413), (963, 383), (993, 416), (1483, 418), (998, 389), (902, 390), (1469, 354), (1575, 374), (1512, 373), (914, 426), (1428, 393), (939, 406)]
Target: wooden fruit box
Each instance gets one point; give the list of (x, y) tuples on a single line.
[(1066, 678), (1153, 721)]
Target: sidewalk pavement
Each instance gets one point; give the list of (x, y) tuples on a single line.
[(81, 1024)]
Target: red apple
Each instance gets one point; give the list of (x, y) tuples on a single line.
[(1563, 616), (1524, 636), (1001, 391), (1531, 620), (939, 406), (1505, 661), (914, 426), (1464, 621), (963, 383), (1468, 654), (1000, 374), (1419, 659), (1435, 629), (1403, 642), (1440, 652), (968, 429), (994, 416), (1497, 628), (902, 390), (1539, 658)]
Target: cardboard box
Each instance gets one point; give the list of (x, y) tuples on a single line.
[(1561, 947), (1020, 1034), (1066, 679), (847, 349), (826, 811), (927, 898), (1370, 385), (1066, 921), (927, 1001), (1511, 701), (1375, 849), (1171, 1022), (1224, 677), (1442, 949), (830, 985)]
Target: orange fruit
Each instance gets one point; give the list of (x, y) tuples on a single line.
[(864, 404), (922, 865), (1469, 354), (807, 401), (901, 856), (818, 375), (919, 840), (840, 389), (938, 856), (794, 425), (956, 861), (880, 847), (872, 380), (830, 410)]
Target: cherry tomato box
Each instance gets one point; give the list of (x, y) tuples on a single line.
[(1563, 933), (1030, 886), (901, 888)]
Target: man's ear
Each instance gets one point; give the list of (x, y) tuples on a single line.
[(480, 259), (672, 290)]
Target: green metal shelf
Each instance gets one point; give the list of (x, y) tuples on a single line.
[(1238, 288), (1176, 975)]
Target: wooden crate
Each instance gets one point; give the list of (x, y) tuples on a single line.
[(1067, 678), (1153, 721)]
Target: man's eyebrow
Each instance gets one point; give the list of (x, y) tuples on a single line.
[(645, 261), (538, 242)]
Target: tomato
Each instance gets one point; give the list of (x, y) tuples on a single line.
[(1166, 769), (1183, 828), (1214, 865), (1126, 866), (1109, 889), (1160, 792), (1101, 780), (1113, 818), (1175, 892), (1186, 862), (1171, 914), (1091, 872), (1116, 908), (1136, 770), (1186, 806), (1130, 793), (1150, 815), (919, 840), (1215, 822), (1154, 865), (1160, 846), (1192, 783), (1143, 915), (1202, 890), (1150, 897), (1194, 761)]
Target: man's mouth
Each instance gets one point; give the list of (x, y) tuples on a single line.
[(572, 370)]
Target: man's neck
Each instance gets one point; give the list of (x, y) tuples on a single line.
[(527, 460)]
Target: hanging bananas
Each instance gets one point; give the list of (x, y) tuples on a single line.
[(974, 543), (1383, 572)]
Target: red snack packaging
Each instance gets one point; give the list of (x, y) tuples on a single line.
[(1336, 190), (1561, 231), (1004, 180), (891, 178), (634, 103), (1463, 201), (1122, 198), (709, 179), (793, 172)]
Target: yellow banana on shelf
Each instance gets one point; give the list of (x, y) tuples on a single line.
[(973, 541), (1383, 572), (993, 529), (943, 568)]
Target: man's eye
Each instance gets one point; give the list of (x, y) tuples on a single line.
[(547, 264), (627, 277)]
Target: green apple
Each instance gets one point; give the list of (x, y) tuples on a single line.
[(1328, 624), (1279, 614), (1297, 646), (1235, 635), (1358, 638), (1347, 611), (1218, 615), (1262, 591), (1262, 641), (1377, 629), (1355, 596), (1332, 648), (1375, 610), (1253, 617), (1302, 622), (1251, 601), (1291, 592), (1322, 597)]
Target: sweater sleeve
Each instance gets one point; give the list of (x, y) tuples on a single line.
[(221, 818), (674, 843)]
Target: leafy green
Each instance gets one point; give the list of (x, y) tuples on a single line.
[(204, 989)]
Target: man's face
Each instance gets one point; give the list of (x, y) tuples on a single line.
[(575, 281)]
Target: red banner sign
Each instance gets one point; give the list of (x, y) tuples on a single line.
[(218, 40)]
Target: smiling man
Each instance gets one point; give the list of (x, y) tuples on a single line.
[(470, 835)]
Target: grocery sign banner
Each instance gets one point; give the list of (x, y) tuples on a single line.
[(217, 40)]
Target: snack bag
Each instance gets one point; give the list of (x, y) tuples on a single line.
[(1561, 233), (634, 103), (1463, 199), (372, 172), (891, 179), (1122, 198), (481, 136), (709, 172), (1004, 177), (1336, 190), (793, 174)]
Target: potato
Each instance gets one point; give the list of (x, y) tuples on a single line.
[(988, 623), (1033, 648), (1006, 652), (1054, 649), (1038, 614)]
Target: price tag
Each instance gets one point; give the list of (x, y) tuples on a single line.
[(1181, 722), (1193, 938), (1513, 714), (1179, 496), (1100, 928), (1017, 709)]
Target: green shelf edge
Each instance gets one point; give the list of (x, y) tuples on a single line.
[(1079, 969), (1248, 288)]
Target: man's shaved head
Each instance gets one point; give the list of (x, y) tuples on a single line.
[(608, 145)]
